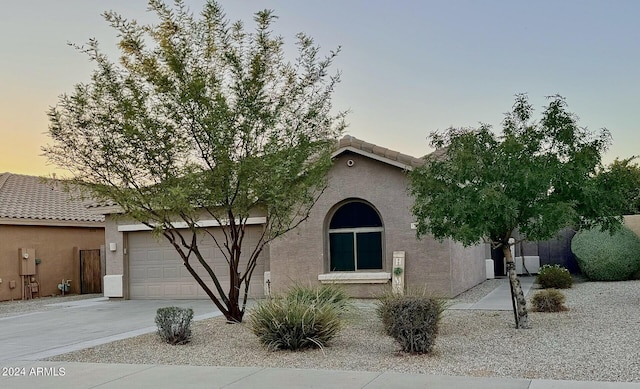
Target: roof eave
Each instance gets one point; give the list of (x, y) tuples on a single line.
[(106, 209), (377, 157), (51, 223)]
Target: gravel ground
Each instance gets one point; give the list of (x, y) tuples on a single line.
[(9, 308), (598, 338)]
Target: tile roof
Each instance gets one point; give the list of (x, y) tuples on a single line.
[(350, 141), (28, 198)]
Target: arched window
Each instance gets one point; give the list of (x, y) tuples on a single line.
[(355, 238)]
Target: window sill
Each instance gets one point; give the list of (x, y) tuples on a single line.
[(354, 278)]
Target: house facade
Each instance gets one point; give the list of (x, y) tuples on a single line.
[(360, 234), (45, 237), (361, 222)]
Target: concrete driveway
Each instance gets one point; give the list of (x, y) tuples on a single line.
[(75, 325)]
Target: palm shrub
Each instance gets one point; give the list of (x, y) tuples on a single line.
[(554, 276), (411, 320), (174, 324), (603, 256), (323, 294), (302, 318), (548, 300)]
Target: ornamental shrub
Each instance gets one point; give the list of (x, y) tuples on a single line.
[(324, 294), (411, 320), (383, 309), (386, 299), (303, 318), (603, 256), (554, 276), (548, 300), (174, 324)]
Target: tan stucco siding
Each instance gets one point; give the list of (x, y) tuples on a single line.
[(54, 247), (301, 255), (467, 267), (114, 259), (633, 223)]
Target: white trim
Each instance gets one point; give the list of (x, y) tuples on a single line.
[(354, 278), (179, 225), (372, 156)]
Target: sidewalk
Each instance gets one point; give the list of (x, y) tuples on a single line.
[(23, 370), (500, 298), (66, 375)]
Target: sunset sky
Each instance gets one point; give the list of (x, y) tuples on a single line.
[(408, 67)]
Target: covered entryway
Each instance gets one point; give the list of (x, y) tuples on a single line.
[(157, 272)]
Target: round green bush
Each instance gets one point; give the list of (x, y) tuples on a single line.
[(554, 276), (602, 256), (548, 300)]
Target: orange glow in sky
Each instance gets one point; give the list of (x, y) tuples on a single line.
[(408, 67)]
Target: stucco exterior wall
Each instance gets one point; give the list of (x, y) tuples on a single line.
[(54, 247), (117, 261), (467, 267), (114, 259), (633, 223), (301, 255)]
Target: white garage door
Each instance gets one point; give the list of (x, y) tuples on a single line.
[(157, 272)]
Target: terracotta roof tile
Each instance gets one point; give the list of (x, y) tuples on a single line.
[(34, 198)]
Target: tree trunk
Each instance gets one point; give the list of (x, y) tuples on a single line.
[(235, 313), (520, 308)]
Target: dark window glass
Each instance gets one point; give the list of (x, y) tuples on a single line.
[(369, 246), (341, 247), (354, 215)]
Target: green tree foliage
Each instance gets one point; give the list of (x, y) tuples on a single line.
[(536, 177), (621, 183), (201, 119)]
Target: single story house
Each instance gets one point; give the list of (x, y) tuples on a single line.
[(360, 234), (46, 237)]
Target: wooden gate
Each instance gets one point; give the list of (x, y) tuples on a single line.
[(90, 272)]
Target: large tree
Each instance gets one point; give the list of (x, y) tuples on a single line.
[(199, 119), (621, 181), (527, 183)]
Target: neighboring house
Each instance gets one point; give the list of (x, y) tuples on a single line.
[(554, 251), (534, 255), (45, 235), (358, 232)]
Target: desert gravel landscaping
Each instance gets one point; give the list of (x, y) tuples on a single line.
[(19, 307), (597, 339)]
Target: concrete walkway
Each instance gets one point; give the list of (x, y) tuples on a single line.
[(26, 338), (66, 375), (500, 298), (76, 325)]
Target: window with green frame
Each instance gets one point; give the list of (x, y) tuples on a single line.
[(355, 238)]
